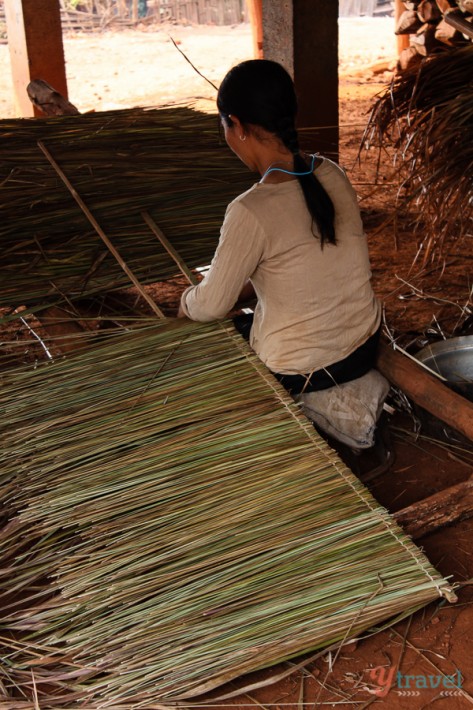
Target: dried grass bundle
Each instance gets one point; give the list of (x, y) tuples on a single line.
[(172, 522), (169, 162), (427, 114)]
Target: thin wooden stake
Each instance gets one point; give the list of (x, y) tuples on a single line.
[(170, 249), (100, 231)]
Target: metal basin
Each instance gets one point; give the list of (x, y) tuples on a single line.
[(453, 359)]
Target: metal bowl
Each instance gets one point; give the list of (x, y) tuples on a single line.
[(453, 359)]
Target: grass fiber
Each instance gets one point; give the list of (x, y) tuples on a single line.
[(171, 521)]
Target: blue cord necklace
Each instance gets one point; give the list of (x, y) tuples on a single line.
[(290, 172)]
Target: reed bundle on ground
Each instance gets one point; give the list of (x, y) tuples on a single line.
[(169, 162), (427, 114), (172, 522)]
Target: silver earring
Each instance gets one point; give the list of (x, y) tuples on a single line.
[(243, 138)]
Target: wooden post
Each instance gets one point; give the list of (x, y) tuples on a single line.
[(302, 35), (255, 12), (402, 40), (36, 48), (316, 74), (122, 9)]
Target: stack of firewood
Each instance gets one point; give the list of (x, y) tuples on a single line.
[(432, 26)]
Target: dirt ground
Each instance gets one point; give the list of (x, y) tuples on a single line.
[(142, 67)]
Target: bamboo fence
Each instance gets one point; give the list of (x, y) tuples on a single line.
[(171, 522)]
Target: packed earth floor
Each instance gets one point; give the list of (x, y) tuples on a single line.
[(426, 659)]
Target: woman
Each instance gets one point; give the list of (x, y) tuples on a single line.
[(294, 240)]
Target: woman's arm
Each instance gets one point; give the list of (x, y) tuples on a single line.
[(237, 256)]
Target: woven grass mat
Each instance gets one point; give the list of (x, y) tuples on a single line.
[(172, 522)]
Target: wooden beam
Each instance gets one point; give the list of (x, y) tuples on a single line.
[(36, 48), (426, 390)]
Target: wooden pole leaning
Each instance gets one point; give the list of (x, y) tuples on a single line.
[(170, 249), (100, 231)]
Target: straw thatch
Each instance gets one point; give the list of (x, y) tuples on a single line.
[(427, 114), (169, 162), (172, 522)]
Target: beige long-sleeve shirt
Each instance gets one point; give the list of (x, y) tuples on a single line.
[(315, 306)]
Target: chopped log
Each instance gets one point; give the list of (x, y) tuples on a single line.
[(442, 22), (408, 23), (460, 22), (408, 59), (426, 390), (424, 41), (428, 11), (448, 35), (48, 100), (444, 508), (445, 5)]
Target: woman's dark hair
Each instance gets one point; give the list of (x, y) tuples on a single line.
[(261, 92)]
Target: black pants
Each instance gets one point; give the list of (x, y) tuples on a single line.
[(355, 365)]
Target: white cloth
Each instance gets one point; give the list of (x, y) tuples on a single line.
[(315, 306), (348, 412)]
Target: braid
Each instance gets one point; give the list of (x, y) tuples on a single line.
[(318, 201), (286, 132)]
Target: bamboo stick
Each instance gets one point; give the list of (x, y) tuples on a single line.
[(119, 149), (100, 231), (169, 248)]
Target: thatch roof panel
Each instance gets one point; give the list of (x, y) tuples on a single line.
[(176, 522)]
